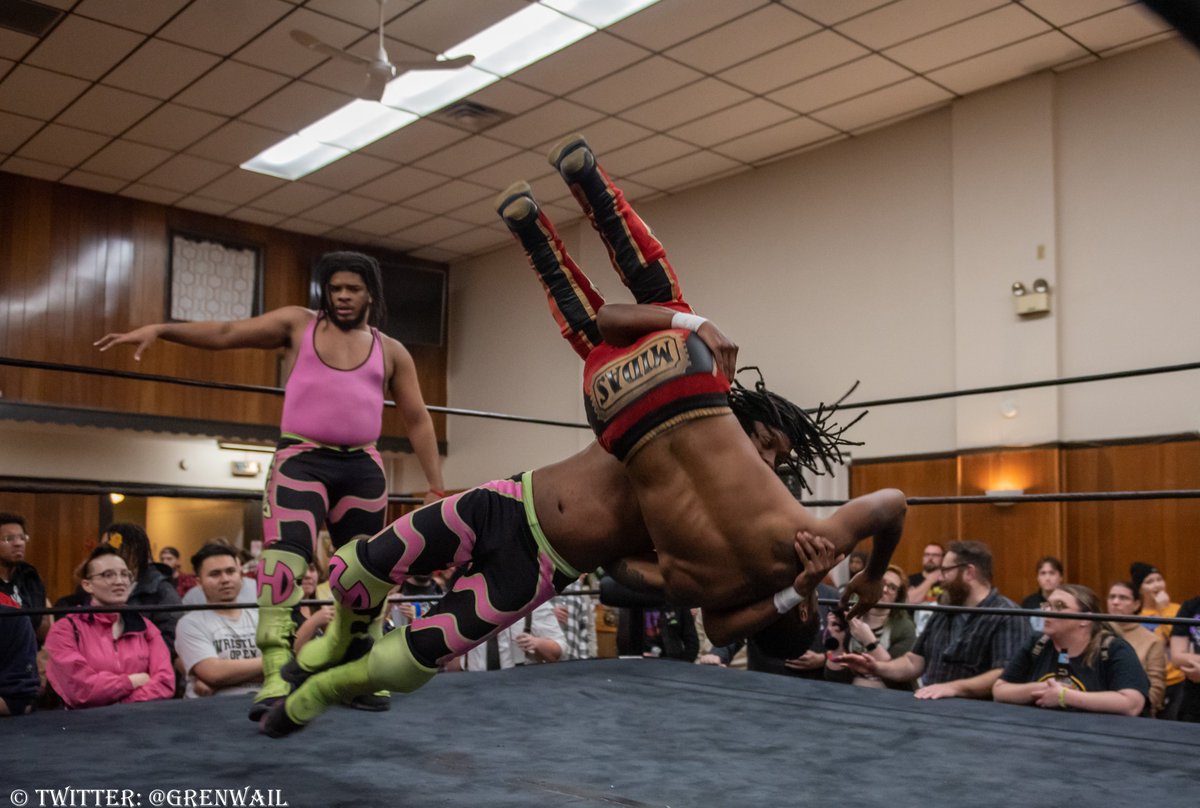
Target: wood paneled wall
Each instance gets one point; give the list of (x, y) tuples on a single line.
[(1096, 541), (76, 264), (64, 527)]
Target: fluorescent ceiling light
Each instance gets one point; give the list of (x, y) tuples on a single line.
[(517, 41)]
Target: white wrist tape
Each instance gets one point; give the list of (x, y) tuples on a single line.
[(691, 322), (787, 599)]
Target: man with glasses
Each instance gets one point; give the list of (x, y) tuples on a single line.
[(18, 578), (958, 655)]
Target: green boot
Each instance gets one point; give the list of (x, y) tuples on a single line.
[(359, 597), (279, 575)]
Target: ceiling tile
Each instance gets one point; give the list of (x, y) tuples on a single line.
[(906, 19), (85, 179), (173, 127), (969, 38), (351, 171), (107, 110), (584, 62), (14, 45), (85, 48), (231, 88), (214, 207), (546, 189), (1065, 12), (400, 184), (1031, 55), (33, 168), (235, 143), (255, 216), (342, 209), (686, 104), (466, 156), (362, 13), (438, 26), (241, 187), (672, 21), (304, 226), (521, 166), (757, 113), (184, 172), (549, 122), (146, 16), (643, 154), (843, 82), (448, 196), (834, 11), (292, 198), (1161, 36), (125, 160), (275, 49), (693, 169), (222, 26), (415, 141), (478, 240), (635, 84), (38, 93), (609, 133), (509, 96), (390, 219), (15, 130), (742, 39), (62, 145), (149, 193), (776, 140), (296, 106), (348, 235), (907, 96), (434, 230), (160, 69), (1116, 28), (438, 254), (791, 63), (482, 213)]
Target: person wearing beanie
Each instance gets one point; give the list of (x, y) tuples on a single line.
[(1150, 585)]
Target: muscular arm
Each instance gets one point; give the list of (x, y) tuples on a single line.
[(622, 323), (406, 392), (271, 330), (640, 573), (879, 514)]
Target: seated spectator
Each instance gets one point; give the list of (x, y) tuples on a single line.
[(1185, 653), (108, 657), (183, 581), (536, 639), (663, 631), (1151, 587), (1049, 576), (150, 587), (19, 680), (958, 655), (926, 585), (310, 621), (216, 647), (882, 633), (1149, 647), (576, 615), (18, 578), (855, 563), (1076, 664)]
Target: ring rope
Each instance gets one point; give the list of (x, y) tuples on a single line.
[(1068, 496), (1018, 612), (148, 490)]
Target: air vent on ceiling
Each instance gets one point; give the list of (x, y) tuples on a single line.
[(28, 17), (471, 116)]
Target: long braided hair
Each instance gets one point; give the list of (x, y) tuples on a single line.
[(816, 441)]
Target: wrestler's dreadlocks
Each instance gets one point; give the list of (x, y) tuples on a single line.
[(816, 443)]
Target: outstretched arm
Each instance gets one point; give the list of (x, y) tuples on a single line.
[(623, 323), (271, 330), (879, 514), (406, 392)]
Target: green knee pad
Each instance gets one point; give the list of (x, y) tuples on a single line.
[(367, 594), (278, 570)]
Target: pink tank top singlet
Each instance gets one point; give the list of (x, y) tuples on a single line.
[(332, 406)]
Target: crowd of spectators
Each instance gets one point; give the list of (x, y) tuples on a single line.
[(1048, 660)]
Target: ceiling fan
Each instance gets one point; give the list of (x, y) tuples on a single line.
[(380, 70)]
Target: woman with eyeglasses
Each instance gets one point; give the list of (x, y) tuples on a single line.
[(1077, 664), (105, 658), (882, 633), (150, 586)]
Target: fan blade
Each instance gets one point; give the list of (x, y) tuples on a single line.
[(312, 43), (377, 78), (433, 64)]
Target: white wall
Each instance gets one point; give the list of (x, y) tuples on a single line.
[(889, 258)]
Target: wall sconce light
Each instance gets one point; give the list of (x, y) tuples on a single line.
[(1004, 492), (1027, 302), (245, 468), (115, 498)]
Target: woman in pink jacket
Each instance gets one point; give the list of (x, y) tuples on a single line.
[(106, 658)]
